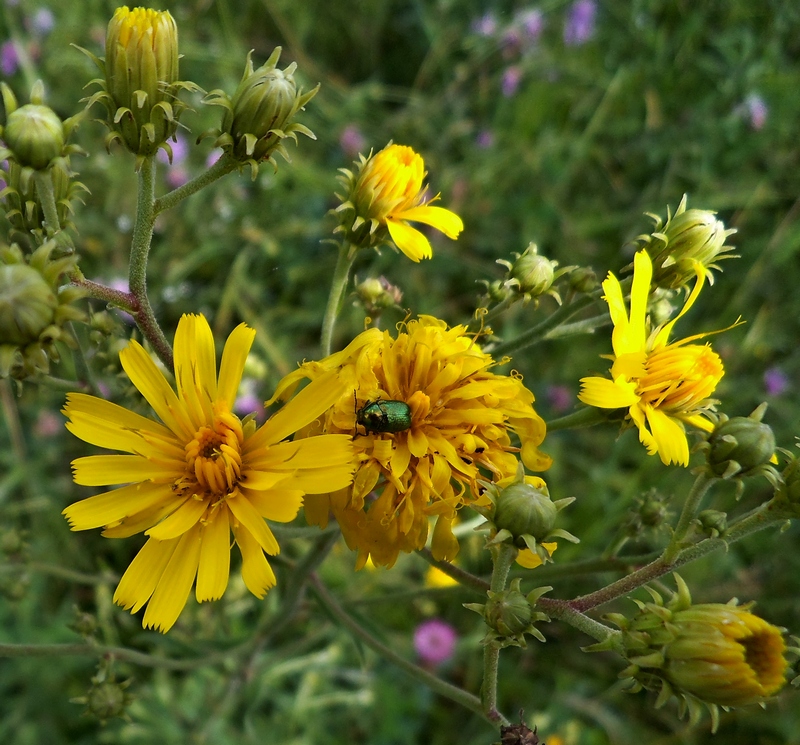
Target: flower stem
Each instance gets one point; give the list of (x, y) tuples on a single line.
[(140, 249), (459, 575), (458, 695), (690, 506), (584, 417), (503, 556), (222, 167), (47, 198), (341, 275), (563, 611)]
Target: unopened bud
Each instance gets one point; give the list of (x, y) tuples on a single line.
[(583, 280), (27, 304), (508, 613), (740, 446), (35, 136)]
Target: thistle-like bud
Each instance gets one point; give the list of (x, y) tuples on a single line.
[(521, 513), (688, 239), (377, 294), (259, 115), (719, 655), (33, 309), (532, 275), (741, 446), (140, 80), (107, 698)]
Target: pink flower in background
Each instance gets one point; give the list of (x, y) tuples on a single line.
[(435, 641), (352, 141), (9, 58), (485, 139), (248, 401), (486, 25), (560, 398), (531, 23), (42, 22), (177, 173), (213, 157), (579, 27), (776, 382), (512, 77), (757, 111), (48, 425)]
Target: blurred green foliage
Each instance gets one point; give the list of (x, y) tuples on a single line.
[(661, 100)]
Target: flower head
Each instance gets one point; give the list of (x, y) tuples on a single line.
[(201, 474), (435, 641), (386, 193), (460, 418), (664, 385)]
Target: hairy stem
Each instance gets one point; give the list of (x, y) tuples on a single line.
[(341, 276), (222, 167), (690, 506)]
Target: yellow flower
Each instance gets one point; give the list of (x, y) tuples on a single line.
[(526, 558), (725, 655), (664, 385), (461, 416), (201, 474), (386, 194)]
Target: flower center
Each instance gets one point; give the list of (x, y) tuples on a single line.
[(213, 457), (763, 652), (678, 378)]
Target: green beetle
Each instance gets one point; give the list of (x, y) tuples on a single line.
[(383, 415)]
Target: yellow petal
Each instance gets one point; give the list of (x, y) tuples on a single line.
[(248, 516), (105, 470), (444, 545), (196, 367), (256, 571), (150, 382), (323, 480), (115, 505), (143, 574), (608, 394), (234, 357), (670, 437), (409, 240), (181, 520), (440, 218), (172, 590), (215, 557), (279, 505), (143, 520)]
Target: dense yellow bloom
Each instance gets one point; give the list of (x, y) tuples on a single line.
[(201, 474), (388, 193), (461, 418), (725, 655), (664, 385)]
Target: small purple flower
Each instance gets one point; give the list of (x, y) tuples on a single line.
[(560, 397), (531, 22), (435, 641), (757, 110), (42, 22), (486, 25), (9, 58), (352, 141), (512, 77), (776, 382), (48, 425), (579, 27), (485, 139), (248, 401), (213, 157), (180, 151), (511, 41)]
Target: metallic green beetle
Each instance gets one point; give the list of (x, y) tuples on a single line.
[(383, 416)]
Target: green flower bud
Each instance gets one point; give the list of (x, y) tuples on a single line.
[(508, 613), (258, 117), (84, 624), (35, 136), (12, 542), (583, 280), (377, 294), (497, 291), (27, 304), (713, 522), (688, 239), (107, 700), (521, 508), (534, 273), (740, 446)]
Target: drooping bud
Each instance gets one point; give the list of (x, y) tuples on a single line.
[(259, 115), (715, 654), (688, 239), (741, 446)]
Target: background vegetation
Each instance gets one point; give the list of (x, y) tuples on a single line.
[(530, 136)]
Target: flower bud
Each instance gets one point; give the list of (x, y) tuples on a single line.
[(84, 624), (258, 117), (35, 135), (688, 239), (713, 522), (533, 273), (377, 294), (508, 613), (27, 304), (583, 280), (521, 508), (741, 446)]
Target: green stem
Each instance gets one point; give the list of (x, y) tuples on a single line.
[(119, 299), (458, 695), (222, 167), (140, 249), (539, 332), (690, 507), (587, 326), (483, 321), (585, 417), (549, 572), (762, 517), (503, 556), (11, 416), (563, 611), (341, 275), (459, 575), (47, 198)]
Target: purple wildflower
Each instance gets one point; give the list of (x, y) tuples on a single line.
[(435, 641), (776, 382), (486, 25), (42, 22), (213, 157), (512, 77), (9, 58), (757, 111), (352, 141), (485, 139), (560, 397), (248, 401), (579, 27), (531, 22)]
